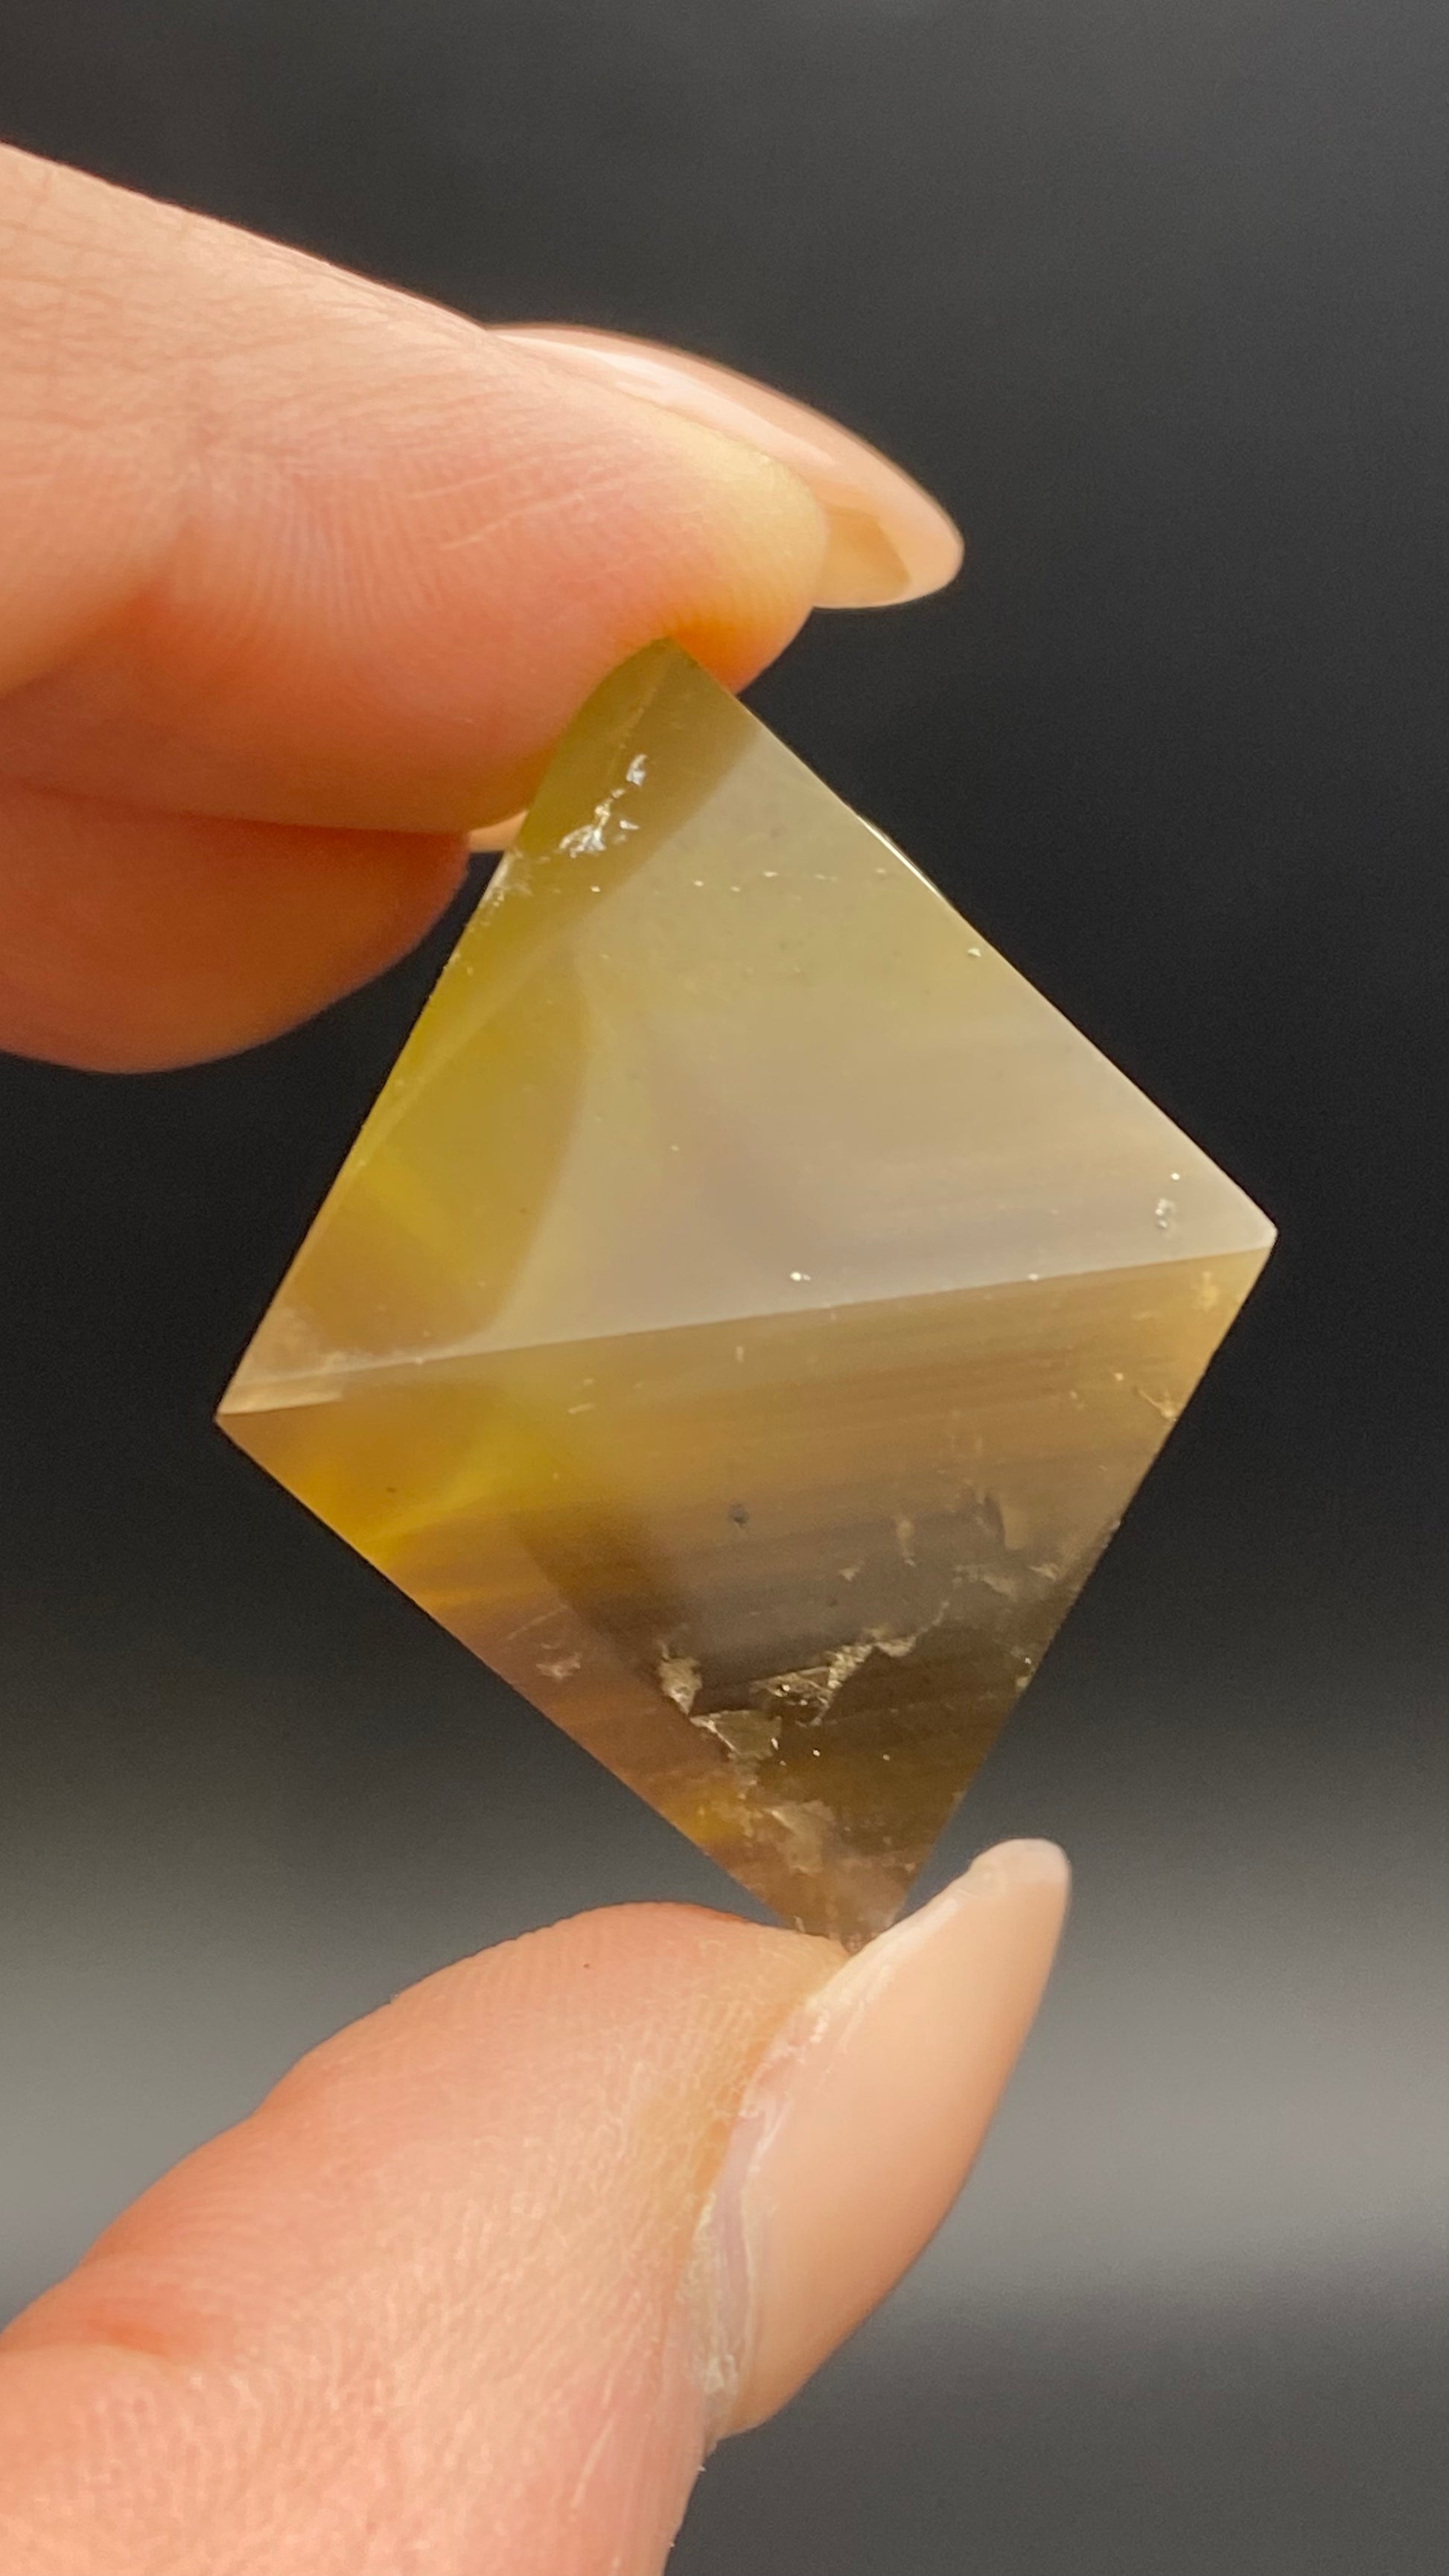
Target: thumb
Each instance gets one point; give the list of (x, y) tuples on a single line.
[(477, 2285)]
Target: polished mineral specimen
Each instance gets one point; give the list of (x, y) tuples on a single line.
[(748, 1308)]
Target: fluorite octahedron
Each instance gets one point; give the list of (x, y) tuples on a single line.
[(748, 1308)]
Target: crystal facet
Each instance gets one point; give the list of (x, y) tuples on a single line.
[(748, 1308)]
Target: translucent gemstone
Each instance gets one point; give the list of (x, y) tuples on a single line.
[(748, 1308)]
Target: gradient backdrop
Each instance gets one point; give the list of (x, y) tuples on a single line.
[(1153, 293)]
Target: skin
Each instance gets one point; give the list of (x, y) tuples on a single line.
[(302, 579)]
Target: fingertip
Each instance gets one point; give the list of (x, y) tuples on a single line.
[(886, 539), (754, 533), (863, 2121)]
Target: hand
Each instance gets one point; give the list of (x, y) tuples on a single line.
[(302, 579)]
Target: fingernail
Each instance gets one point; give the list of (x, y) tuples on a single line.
[(861, 2124), (889, 540), (496, 836)]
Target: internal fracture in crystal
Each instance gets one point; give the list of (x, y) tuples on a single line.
[(749, 1307)]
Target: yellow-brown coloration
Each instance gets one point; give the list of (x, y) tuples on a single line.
[(749, 1307)]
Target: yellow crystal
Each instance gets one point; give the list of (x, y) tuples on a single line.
[(748, 1308)]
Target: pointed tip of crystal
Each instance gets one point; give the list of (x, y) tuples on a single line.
[(749, 1307)]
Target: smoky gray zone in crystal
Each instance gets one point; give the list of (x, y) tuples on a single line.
[(846, 1670), (888, 1686), (978, 1617), (787, 1574)]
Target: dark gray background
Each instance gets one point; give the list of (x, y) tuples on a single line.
[(1153, 293)]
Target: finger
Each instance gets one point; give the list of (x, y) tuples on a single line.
[(888, 540), (286, 545), (476, 2285), (131, 940)]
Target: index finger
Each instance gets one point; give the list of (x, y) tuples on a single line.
[(284, 545), (304, 578)]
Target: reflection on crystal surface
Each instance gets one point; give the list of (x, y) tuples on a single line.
[(749, 1307)]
